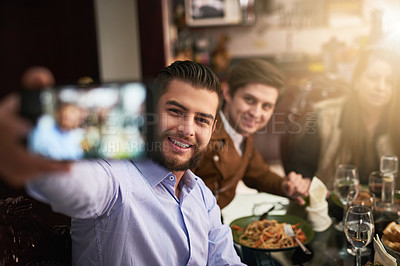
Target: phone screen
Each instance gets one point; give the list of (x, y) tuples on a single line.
[(100, 121)]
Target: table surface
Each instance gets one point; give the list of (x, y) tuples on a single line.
[(329, 247)]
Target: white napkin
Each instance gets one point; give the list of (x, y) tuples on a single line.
[(381, 255), (318, 210)]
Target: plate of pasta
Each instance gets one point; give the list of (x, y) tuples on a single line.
[(268, 234)]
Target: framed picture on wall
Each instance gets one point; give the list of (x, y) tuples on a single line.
[(213, 12)]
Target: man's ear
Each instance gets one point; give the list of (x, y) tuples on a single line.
[(214, 125), (226, 92)]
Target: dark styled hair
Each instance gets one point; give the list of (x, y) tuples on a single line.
[(255, 71), (197, 75)]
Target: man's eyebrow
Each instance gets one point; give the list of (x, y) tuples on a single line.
[(177, 104), (210, 116), (206, 115)]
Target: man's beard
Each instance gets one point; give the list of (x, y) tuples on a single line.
[(174, 165)]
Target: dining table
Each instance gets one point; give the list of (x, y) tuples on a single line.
[(328, 247)]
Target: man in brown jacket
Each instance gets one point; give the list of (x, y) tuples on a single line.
[(250, 96)]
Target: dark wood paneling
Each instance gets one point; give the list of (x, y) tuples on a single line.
[(151, 37), (58, 34)]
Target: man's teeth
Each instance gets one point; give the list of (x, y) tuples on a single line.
[(180, 144)]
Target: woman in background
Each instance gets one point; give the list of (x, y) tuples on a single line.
[(357, 129)]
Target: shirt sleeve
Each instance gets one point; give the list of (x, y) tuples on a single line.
[(221, 250), (88, 190)]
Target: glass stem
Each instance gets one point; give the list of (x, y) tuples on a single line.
[(358, 257), (344, 213)]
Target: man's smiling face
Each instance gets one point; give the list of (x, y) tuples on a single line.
[(250, 108), (187, 117)]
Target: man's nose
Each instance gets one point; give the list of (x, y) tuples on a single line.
[(256, 110), (186, 126)]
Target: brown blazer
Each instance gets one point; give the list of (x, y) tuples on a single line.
[(222, 168)]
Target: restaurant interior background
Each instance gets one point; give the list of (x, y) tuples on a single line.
[(110, 40), (315, 42)]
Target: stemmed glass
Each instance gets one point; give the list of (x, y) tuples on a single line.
[(345, 186), (359, 228), (364, 198)]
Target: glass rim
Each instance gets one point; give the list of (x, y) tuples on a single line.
[(347, 166), (357, 208), (391, 157), (376, 172)]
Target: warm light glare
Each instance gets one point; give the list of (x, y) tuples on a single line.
[(390, 15)]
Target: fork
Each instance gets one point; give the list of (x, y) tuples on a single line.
[(289, 231)]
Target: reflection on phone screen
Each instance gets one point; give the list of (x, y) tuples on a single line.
[(102, 121)]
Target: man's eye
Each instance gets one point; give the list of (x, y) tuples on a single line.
[(174, 111), (267, 106), (203, 120), (249, 99)]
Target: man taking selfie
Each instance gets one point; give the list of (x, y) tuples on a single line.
[(147, 212)]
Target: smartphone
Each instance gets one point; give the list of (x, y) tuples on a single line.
[(97, 121)]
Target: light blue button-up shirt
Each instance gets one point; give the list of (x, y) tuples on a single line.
[(126, 213)]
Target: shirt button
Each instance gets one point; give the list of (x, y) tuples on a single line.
[(171, 178), (216, 158)]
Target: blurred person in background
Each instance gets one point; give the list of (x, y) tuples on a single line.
[(59, 137), (358, 128), (253, 88)]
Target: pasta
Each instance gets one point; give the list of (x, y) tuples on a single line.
[(269, 234)]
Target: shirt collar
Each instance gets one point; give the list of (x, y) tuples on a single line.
[(155, 173), (151, 171), (233, 134)]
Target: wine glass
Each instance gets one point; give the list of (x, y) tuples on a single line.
[(359, 228), (363, 198), (345, 186)]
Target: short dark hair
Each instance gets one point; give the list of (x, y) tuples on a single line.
[(255, 71), (198, 75)]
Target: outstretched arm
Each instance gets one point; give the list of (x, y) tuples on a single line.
[(88, 190)]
